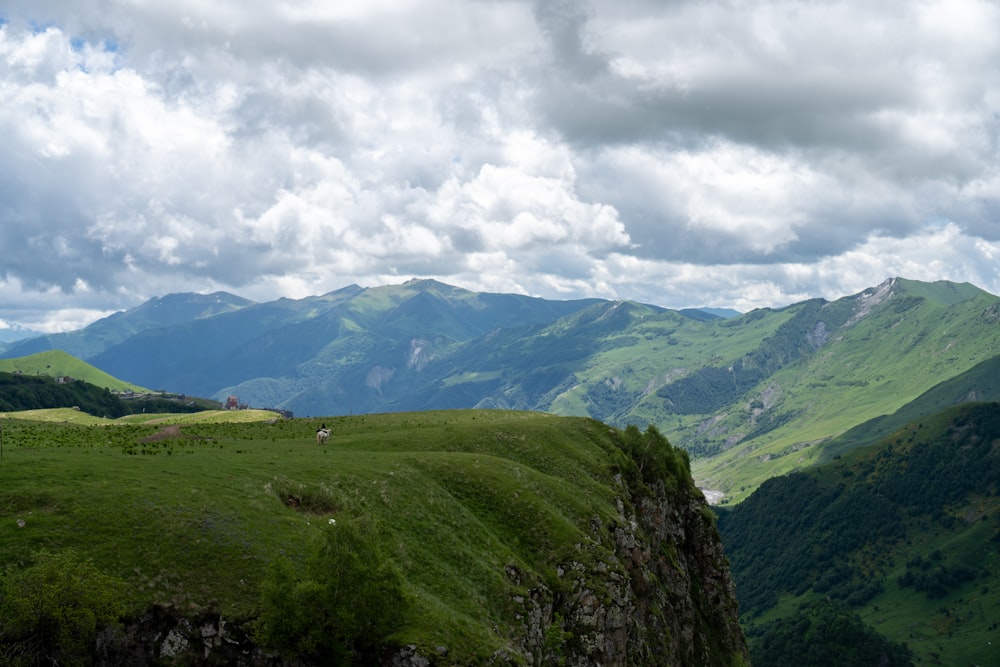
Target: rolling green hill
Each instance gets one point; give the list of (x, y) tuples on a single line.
[(57, 363), (499, 538), (56, 380), (906, 532)]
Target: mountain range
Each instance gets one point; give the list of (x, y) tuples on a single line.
[(748, 396)]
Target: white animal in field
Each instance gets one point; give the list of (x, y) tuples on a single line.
[(322, 435)]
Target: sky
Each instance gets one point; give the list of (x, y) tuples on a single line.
[(740, 153)]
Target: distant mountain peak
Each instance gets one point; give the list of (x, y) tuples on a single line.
[(943, 292), (175, 298), (347, 290), (426, 283)]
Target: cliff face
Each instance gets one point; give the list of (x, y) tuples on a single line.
[(663, 597), (686, 598)]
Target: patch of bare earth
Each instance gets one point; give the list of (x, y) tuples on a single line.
[(173, 431)]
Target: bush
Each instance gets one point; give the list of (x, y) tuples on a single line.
[(654, 459), (342, 608), (50, 612)]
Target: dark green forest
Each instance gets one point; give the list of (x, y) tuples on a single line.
[(825, 634), (862, 502), (37, 392)]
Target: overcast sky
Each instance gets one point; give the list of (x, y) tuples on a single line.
[(682, 153)]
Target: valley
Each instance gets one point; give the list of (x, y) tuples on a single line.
[(904, 531)]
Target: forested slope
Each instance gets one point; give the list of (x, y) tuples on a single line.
[(910, 524), (36, 392)]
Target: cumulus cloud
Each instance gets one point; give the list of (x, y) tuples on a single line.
[(683, 153)]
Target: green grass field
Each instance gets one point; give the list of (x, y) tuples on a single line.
[(190, 510)]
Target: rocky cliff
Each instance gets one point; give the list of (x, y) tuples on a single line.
[(664, 596)]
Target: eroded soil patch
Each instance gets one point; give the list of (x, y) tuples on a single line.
[(171, 432)]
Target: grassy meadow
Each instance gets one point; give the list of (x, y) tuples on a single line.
[(191, 510)]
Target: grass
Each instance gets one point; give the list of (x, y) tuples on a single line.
[(54, 363), (73, 416), (870, 371), (957, 628), (194, 519)]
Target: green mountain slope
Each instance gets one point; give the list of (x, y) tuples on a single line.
[(979, 383), (202, 354), (156, 313), (750, 397), (875, 352), (516, 537), (299, 350), (906, 532)]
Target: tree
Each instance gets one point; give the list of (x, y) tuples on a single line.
[(825, 634), (341, 609), (51, 611)]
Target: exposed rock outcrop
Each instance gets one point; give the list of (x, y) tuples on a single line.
[(164, 636), (665, 597)]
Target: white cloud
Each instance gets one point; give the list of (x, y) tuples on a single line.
[(678, 153)]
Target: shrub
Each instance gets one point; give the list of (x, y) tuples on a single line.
[(341, 608), (654, 458), (50, 612)]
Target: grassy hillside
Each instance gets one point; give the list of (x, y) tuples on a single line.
[(906, 532), (891, 348), (55, 363), (979, 383), (478, 510)]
